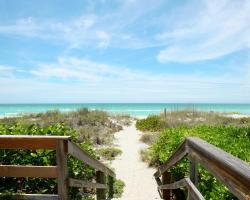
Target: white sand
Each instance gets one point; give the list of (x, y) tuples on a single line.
[(140, 184), (236, 116)]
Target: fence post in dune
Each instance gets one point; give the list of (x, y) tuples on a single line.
[(100, 192), (62, 170), (166, 179), (165, 114), (193, 170), (111, 186)]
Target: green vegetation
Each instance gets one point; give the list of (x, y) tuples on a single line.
[(231, 135), (109, 153), (89, 129), (118, 188), (152, 123), (188, 118), (95, 126), (43, 158), (145, 156)]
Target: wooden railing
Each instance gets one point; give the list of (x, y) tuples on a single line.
[(231, 171), (63, 147)]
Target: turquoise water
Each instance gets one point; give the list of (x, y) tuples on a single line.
[(134, 109)]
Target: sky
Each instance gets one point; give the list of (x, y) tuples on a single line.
[(185, 51)]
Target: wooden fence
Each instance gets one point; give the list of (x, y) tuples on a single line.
[(231, 171), (63, 147)]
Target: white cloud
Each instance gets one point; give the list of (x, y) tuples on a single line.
[(193, 31), (104, 39), (70, 68), (6, 71), (111, 28), (71, 79), (218, 29)]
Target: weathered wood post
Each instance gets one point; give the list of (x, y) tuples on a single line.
[(111, 187), (193, 170), (62, 170), (166, 179), (100, 192), (193, 173)]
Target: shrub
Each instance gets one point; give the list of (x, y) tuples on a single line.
[(95, 125), (188, 118), (152, 123), (86, 128), (234, 140), (149, 138), (118, 188), (109, 153), (145, 156), (41, 157)]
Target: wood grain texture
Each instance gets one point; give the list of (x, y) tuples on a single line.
[(231, 171), (100, 193), (61, 159), (30, 142), (186, 182), (31, 196), (166, 179), (159, 182), (193, 192), (78, 153), (28, 171), (180, 153), (193, 170)]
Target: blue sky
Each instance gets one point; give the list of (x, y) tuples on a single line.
[(124, 51)]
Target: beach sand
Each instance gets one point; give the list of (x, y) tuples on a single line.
[(138, 177), (237, 116)]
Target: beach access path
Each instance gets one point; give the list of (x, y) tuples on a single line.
[(138, 177)]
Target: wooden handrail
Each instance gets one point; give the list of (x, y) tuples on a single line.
[(30, 142), (231, 171), (78, 153), (63, 147), (185, 182)]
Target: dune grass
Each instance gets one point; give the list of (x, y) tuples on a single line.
[(188, 118), (96, 126)]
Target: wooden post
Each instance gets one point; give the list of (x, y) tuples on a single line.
[(165, 114), (100, 193), (62, 170), (193, 174), (111, 187), (166, 179), (193, 171)]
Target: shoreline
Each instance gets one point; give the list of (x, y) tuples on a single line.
[(230, 115)]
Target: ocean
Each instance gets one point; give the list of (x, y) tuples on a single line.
[(133, 109)]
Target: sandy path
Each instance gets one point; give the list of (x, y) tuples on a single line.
[(140, 184)]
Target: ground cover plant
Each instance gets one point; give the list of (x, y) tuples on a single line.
[(109, 153), (84, 127), (41, 157), (231, 135), (234, 140)]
